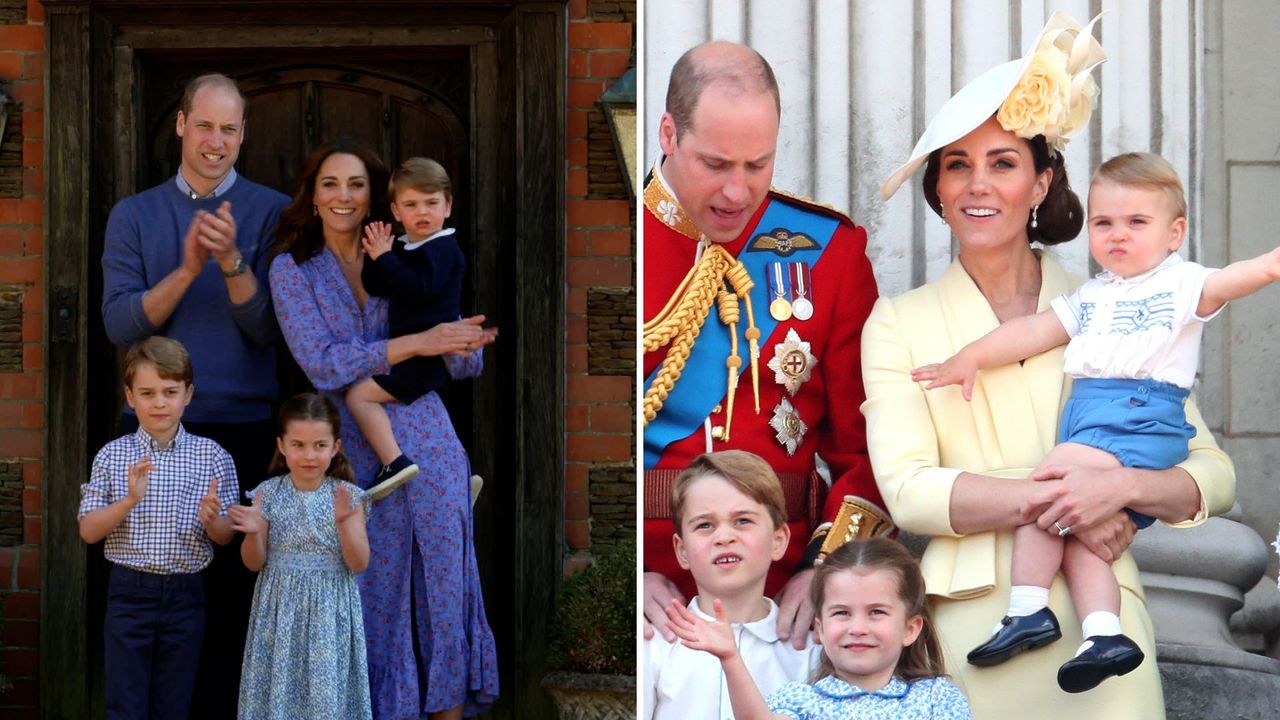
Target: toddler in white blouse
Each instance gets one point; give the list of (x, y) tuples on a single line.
[(730, 520), (1134, 341)]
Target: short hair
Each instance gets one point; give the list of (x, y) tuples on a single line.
[(422, 174), (167, 356), (217, 80), (745, 471), (691, 76), (1147, 171)]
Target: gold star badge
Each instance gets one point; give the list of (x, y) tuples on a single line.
[(788, 425), (792, 363)]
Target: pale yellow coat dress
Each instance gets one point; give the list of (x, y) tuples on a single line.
[(920, 441)]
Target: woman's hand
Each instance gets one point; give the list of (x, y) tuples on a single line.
[(460, 337), (1091, 496)]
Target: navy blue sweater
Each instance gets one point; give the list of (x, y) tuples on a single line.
[(231, 346)]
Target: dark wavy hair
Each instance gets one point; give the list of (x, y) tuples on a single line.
[(921, 659), (311, 406), (299, 230), (1060, 216)]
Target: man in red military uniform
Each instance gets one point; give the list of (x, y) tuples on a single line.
[(732, 268)]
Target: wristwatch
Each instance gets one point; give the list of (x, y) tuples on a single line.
[(240, 268)]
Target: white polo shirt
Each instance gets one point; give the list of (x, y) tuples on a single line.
[(1135, 328), (685, 684)]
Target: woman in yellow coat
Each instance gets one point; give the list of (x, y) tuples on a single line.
[(958, 470)]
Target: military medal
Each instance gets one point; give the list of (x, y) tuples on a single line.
[(801, 307), (780, 308), (789, 427), (792, 362)]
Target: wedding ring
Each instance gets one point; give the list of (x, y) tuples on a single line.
[(1062, 531)]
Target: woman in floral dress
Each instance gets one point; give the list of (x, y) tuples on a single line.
[(430, 648)]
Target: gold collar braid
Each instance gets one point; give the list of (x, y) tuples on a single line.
[(720, 278)]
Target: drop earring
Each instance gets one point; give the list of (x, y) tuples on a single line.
[(1035, 220), (315, 210), (942, 216)]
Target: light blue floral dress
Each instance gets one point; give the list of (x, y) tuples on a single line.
[(305, 654), (834, 699)]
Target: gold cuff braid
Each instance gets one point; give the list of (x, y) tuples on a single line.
[(857, 519)]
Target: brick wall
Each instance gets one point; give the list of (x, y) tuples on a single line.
[(22, 62), (600, 394)]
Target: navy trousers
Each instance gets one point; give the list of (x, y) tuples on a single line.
[(152, 635)]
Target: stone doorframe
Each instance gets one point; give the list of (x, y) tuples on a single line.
[(517, 51)]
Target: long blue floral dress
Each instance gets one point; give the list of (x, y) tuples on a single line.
[(429, 644), (305, 653)]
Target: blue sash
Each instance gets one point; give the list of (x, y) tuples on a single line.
[(701, 385)]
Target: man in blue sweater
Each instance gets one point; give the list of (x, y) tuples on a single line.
[(187, 259)]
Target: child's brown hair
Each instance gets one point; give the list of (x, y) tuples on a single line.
[(1147, 171), (167, 356), (422, 174), (745, 471), (310, 406), (922, 658)]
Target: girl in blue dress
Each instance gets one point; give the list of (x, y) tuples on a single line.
[(881, 657), (305, 534)]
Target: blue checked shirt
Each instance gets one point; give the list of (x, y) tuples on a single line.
[(162, 534)]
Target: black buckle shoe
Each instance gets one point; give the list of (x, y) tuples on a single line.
[(1017, 635), (1110, 655)]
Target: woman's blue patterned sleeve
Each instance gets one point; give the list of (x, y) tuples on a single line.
[(465, 366)]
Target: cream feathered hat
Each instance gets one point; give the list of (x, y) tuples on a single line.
[(1047, 92)]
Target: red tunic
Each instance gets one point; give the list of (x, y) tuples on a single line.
[(843, 291)]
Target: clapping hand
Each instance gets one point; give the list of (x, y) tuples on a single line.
[(377, 239), (210, 505), (138, 475), (698, 634), (216, 232), (247, 519), (343, 508)]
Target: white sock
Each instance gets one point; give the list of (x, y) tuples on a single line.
[(1025, 600), (1101, 623)]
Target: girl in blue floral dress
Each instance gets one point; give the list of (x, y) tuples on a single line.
[(305, 534), (881, 656)]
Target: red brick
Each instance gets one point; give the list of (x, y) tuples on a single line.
[(576, 532), (584, 93), (29, 93), (31, 530), (21, 270), (611, 242), (29, 569), (8, 556), (31, 473), (577, 9), (612, 418), (11, 66), (577, 185), (10, 241), (576, 476), (598, 388), (577, 361), (32, 356), (600, 35), (21, 633), (575, 417), (577, 506), (20, 662), (31, 501), (35, 11), (21, 212), (33, 299), (575, 151), (32, 124), (22, 605), (32, 328), (32, 181), (599, 213), (599, 271), (32, 152), (579, 64), (602, 448), (576, 243), (22, 37), (35, 241), (576, 301), (610, 63), (21, 443), (33, 67), (576, 124), (23, 693), (576, 330), (33, 418), (15, 386)]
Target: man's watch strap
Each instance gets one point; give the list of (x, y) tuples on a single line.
[(239, 268)]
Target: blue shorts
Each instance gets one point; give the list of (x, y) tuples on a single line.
[(1143, 423)]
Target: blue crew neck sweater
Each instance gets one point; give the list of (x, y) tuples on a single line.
[(231, 346)]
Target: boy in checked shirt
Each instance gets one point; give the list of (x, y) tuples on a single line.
[(158, 497)]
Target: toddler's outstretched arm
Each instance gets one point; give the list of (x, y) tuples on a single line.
[(1238, 280), (717, 639), (1016, 339)]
